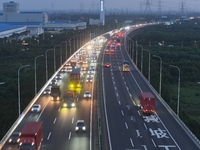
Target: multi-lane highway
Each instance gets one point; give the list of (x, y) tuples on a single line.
[(128, 128), (59, 123)]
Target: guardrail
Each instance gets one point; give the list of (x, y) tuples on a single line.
[(179, 121), (26, 110)]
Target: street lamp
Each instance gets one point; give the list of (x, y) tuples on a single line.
[(178, 87), (160, 72), (36, 73), (141, 56), (19, 87), (54, 58), (65, 48), (149, 63), (46, 62)]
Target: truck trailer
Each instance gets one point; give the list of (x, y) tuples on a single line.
[(55, 92), (75, 79), (31, 136), (69, 99), (147, 102)]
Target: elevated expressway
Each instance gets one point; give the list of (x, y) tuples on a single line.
[(128, 128)]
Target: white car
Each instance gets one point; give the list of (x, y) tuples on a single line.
[(87, 94), (47, 91), (80, 126), (89, 80), (36, 108), (63, 70), (58, 77)]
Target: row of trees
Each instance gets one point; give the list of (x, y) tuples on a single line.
[(185, 56)]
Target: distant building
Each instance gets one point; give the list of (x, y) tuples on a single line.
[(35, 22)]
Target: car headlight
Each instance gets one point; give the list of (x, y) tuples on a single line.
[(76, 128), (84, 128), (10, 140), (18, 140), (64, 105), (73, 105)]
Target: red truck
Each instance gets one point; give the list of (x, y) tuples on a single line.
[(31, 136), (69, 99), (147, 102)]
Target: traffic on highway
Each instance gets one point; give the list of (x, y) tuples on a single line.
[(65, 113)]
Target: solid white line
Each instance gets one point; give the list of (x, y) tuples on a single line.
[(126, 125), (54, 121), (167, 131), (122, 112), (49, 136), (59, 108), (72, 120), (77, 99), (69, 135), (153, 142), (132, 142)]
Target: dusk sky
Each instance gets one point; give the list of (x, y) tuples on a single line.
[(29, 5)]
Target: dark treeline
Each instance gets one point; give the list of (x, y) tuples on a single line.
[(177, 45)]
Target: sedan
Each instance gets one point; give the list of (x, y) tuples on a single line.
[(107, 65), (58, 77), (36, 108), (54, 81), (47, 91), (14, 138), (87, 94), (80, 126), (89, 80)]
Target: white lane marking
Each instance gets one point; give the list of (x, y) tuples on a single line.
[(122, 112), (72, 120), (127, 88), (153, 142), (119, 102), (77, 99), (145, 126), (126, 125), (138, 133), (54, 121), (134, 103), (69, 135), (130, 95), (59, 108), (145, 147), (139, 113), (167, 131), (131, 142), (49, 136)]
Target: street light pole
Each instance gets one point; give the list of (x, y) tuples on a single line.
[(46, 63), (54, 58), (19, 106), (149, 63), (160, 73), (141, 57), (36, 73), (179, 80)]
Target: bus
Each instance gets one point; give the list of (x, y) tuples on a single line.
[(125, 66)]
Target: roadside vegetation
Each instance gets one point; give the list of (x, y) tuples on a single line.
[(178, 45)]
